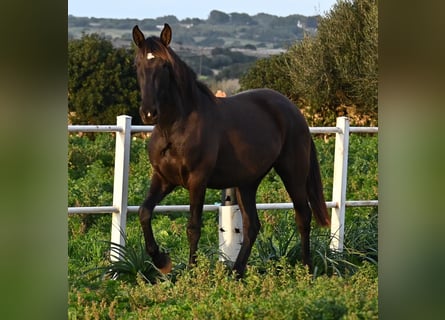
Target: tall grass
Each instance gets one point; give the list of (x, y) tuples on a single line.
[(276, 285), (209, 292)]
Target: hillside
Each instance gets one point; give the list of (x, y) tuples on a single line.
[(261, 32), (221, 47)]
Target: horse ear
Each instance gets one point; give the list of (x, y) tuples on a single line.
[(166, 35), (138, 36)]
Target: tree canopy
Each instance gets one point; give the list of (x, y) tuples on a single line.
[(270, 73), (218, 17), (101, 81), (333, 73)]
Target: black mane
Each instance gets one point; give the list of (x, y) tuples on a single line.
[(189, 77)]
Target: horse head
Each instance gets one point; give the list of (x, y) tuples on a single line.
[(154, 66)]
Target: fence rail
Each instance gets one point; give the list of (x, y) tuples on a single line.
[(119, 209), (212, 207)]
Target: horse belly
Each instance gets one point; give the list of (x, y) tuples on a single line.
[(244, 163), (222, 179)]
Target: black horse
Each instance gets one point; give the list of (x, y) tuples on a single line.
[(201, 141)]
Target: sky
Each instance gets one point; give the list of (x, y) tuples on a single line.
[(143, 9)]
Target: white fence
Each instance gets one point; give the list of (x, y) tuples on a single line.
[(120, 208)]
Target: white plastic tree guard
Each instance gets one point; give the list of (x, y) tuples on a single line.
[(230, 232), (230, 228)]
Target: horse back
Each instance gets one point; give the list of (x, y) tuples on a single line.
[(263, 108)]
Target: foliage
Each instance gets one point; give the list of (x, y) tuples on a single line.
[(90, 170), (270, 73), (242, 19), (333, 73), (230, 63), (343, 285), (130, 263), (283, 292), (218, 17), (338, 69), (279, 240), (101, 81)]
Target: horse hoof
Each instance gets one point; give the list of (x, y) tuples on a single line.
[(163, 263), (167, 268)]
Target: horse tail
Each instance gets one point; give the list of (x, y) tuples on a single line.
[(315, 190)]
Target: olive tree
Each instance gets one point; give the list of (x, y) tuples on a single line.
[(334, 72)]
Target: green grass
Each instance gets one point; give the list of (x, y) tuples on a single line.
[(209, 292), (276, 286)]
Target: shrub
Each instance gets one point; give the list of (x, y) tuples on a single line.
[(101, 81), (332, 73)]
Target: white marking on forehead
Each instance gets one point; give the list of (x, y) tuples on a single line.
[(150, 56)]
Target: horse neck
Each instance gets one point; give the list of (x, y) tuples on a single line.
[(194, 94), (188, 95), (177, 107)]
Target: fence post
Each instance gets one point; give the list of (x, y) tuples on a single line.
[(230, 227), (339, 184), (120, 188)]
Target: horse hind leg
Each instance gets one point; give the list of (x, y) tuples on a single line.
[(251, 226), (303, 217), (295, 184)]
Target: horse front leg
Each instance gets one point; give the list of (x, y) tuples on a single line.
[(197, 195), (159, 188)]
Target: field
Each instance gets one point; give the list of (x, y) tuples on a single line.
[(342, 286)]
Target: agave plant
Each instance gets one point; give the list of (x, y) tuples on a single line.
[(129, 262), (283, 242)]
